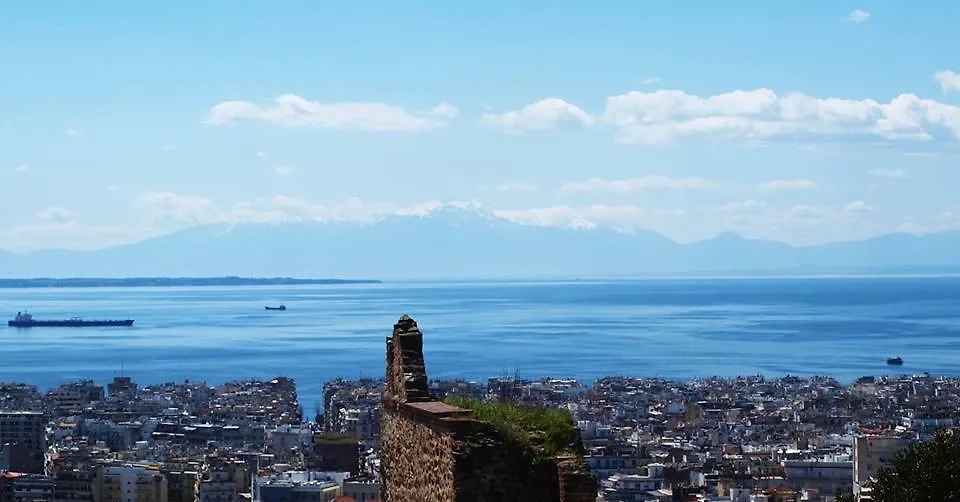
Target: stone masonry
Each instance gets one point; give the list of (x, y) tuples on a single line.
[(434, 452)]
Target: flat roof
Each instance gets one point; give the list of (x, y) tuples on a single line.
[(438, 408)]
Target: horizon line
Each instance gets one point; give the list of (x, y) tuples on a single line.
[(266, 281)]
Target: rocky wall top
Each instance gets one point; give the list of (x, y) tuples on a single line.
[(406, 373)]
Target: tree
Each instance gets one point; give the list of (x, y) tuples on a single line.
[(926, 471), (842, 496)]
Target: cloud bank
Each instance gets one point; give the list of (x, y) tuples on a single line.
[(758, 116), (293, 111)]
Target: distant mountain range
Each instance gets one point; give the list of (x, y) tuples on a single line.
[(451, 242)]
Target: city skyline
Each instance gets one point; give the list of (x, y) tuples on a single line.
[(834, 121)]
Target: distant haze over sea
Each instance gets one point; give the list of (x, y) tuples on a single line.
[(467, 242)]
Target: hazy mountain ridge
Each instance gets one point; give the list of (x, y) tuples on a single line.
[(454, 242)]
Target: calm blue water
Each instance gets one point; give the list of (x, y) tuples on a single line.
[(674, 328)]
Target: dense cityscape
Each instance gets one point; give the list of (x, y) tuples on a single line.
[(663, 251), (740, 439)]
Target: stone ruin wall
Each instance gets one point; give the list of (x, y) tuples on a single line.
[(416, 460), (434, 452)]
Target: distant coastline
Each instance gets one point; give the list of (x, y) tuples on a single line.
[(141, 282)]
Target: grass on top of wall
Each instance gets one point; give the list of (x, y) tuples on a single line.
[(545, 431), (333, 438)]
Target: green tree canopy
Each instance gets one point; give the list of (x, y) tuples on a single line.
[(842, 496), (926, 471)]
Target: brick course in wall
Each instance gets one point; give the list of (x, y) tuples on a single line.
[(434, 452)]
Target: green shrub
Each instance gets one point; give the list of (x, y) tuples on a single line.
[(545, 432), (334, 438), (926, 471)]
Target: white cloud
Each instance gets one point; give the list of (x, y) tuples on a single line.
[(70, 234), (949, 80), (787, 185), (624, 218), (806, 211), (59, 228), (763, 116), (858, 208), (73, 132), (650, 81), (799, 224), (171, 209), (946, 220), (425, 208), (514, 186), (261, 153), (857, 16), (55, 214), (544, 114), (283, 170), (746, 207), (293, 111), (184, 210), (639, 184), (759, 116), (889, 173), (284, 208), (176, 208), (445, 111)]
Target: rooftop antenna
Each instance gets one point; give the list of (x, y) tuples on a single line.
[(121, 367)]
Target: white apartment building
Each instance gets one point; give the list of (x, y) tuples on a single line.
[(871, 452)]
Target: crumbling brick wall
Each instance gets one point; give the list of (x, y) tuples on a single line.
[(434, 452), (417, 459)]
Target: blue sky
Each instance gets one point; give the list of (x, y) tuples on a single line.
[(805, 122)]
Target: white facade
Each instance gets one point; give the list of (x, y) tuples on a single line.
[(360, 423), (675, 408), (871, 453), (912, 421), (299, 486), (818, 469), (285, 437), (825, 475), (650, 479), (362, 491), (220, 487), (130, 483)]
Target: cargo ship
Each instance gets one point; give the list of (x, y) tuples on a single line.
[(25, 320)]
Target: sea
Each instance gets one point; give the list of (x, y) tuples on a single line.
[(675, 328)]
